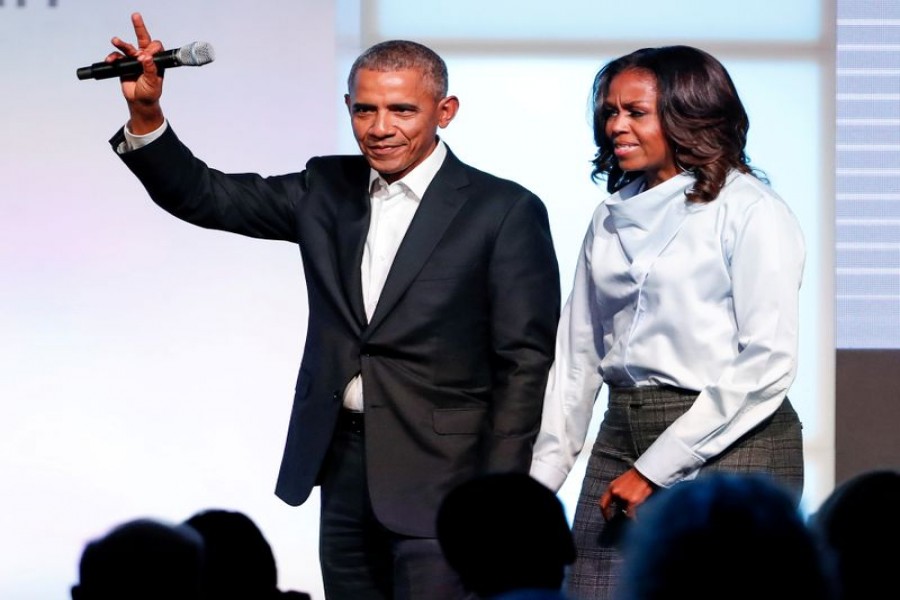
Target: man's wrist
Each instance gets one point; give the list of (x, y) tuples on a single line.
[(134, 140), (145, 118)]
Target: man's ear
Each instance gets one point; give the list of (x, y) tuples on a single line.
[(347, 102), (76, 592), (447, 109)]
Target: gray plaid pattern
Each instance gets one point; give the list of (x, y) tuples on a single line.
[(634, 418)]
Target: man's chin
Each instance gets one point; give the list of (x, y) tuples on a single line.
[(389, 171)]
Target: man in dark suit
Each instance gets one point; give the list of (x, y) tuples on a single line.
[(433, 301)]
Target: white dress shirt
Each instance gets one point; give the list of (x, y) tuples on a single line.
[(699, 296), (392, 209)]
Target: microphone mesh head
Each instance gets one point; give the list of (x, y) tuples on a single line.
[(196, 54)]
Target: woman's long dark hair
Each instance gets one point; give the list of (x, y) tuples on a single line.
[(699, 110)]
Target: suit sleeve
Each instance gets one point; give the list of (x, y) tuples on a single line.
[(184, 186), (525, 305)]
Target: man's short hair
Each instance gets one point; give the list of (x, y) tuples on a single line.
[(402, 55)]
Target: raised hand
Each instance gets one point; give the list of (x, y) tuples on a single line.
[(144, 91)]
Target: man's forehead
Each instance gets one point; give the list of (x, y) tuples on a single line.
[(411, 71), (396, 81)]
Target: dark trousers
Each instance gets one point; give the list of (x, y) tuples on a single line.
[(360, 559)]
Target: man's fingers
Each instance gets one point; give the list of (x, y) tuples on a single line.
[(127, 50), (147, 63), (140, 30), (113, 56), (124, 47)]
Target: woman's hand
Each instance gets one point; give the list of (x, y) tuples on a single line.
[(625, 493)]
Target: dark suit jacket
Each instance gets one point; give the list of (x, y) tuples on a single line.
[(455, 358)]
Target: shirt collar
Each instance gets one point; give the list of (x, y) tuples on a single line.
[(417, 180)]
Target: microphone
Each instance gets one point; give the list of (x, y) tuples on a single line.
[(195, 54)]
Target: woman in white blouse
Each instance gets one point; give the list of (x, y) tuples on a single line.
[(685, 304)]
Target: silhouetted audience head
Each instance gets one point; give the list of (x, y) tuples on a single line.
[(735, 536), (858, 528), (504, 532), (240, 564), (143, 559)]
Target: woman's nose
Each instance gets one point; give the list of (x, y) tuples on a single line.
[(616, 124)]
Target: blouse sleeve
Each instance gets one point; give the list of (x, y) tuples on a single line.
[(574, 379), (764, 247)]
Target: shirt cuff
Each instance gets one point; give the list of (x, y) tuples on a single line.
[(549, 475), (134, 141)]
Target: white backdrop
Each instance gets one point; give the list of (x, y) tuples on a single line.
[(147, 366)]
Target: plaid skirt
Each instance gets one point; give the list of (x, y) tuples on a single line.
[(634, 418)]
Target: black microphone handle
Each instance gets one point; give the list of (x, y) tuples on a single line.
[(127, 67)]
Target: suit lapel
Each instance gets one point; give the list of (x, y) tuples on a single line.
[(352, 227), (441, 202)]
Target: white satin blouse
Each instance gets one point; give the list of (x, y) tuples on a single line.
[(699, 296)]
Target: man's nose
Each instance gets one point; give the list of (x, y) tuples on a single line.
[(383, 124)]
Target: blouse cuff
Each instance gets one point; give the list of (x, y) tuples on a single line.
[(668, 461), (549, 475)]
